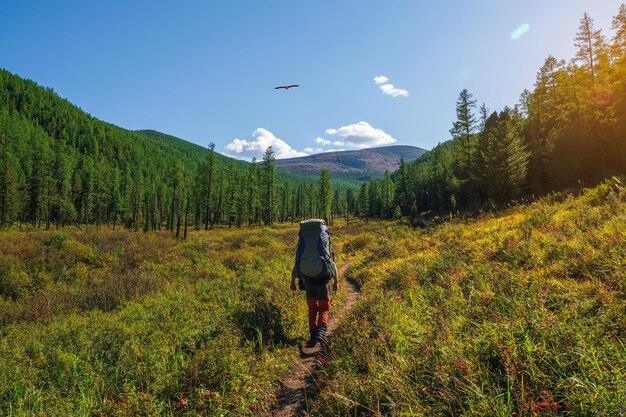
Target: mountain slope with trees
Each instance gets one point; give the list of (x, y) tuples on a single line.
[(570, 129), (60, 166)]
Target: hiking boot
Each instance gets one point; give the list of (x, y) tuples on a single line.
[(321, 336), (312, 340)]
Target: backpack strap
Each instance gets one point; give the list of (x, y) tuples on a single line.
[(294, 271)]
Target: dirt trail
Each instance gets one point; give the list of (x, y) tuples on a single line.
[(300, 385)]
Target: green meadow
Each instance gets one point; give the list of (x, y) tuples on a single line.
[(519, 312)]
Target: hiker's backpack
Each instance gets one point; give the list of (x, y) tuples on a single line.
[(314, 257)]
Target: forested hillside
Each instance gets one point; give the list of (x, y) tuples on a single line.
[(59, 166), (570, 128)]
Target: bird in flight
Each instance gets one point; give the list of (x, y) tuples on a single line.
[(286, 87)]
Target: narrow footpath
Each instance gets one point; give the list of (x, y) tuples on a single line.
[(301, 384)]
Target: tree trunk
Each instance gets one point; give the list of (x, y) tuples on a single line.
[(178, 223), (171, 225), (186, 218)]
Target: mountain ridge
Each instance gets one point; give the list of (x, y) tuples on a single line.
[(359, 164)]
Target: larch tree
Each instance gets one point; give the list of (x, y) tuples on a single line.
[(325, 195), (589, 43), (618, 25), (269, 184), (402, 190), (363, 202), (174, 178), (373, 199), (387, 195), (253, 193), (209, 176), (463, 134), (8, 189)]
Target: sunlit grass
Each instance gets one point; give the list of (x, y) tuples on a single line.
[(123, 323), (514, 313), (522, 313)]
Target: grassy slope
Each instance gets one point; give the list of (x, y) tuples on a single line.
[(522, 313)]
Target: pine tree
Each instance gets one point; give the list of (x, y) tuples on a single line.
[(504, 155), (209, 169), (618, 107), (231, 192), (253, 193), (325, 195), (463, 134), (402, 190), (269, 184), (8, 189), (363, 202), (619, 39), (442, 181), (350, 201), (242, 201), (174, 177), (373, 199), (338, 206), (387, 195), (590, 43)]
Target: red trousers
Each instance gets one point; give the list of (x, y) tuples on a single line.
[(318, 313)]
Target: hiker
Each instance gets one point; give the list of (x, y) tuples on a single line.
[(314, 268)]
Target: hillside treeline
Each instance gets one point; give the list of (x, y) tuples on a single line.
[(570, 128), (59, 166)]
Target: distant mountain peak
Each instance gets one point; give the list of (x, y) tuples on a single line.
[(370, 162)]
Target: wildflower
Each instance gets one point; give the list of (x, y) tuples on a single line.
[(461, 366), (180, 403), (548, 404)]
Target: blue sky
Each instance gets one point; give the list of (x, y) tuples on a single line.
[(205, 70)]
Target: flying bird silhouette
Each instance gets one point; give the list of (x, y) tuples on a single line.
[(286, 87)]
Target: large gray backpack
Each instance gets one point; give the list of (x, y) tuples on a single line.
[(314, 257)]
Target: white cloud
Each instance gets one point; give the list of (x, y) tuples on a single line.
[(261, 140), (381, 79), (520, 31), (313, 150), (388, 88), (322, 141), (391, 90), (360, 135)]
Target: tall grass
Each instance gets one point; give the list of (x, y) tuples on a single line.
[(122, 324), (521, 314)]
